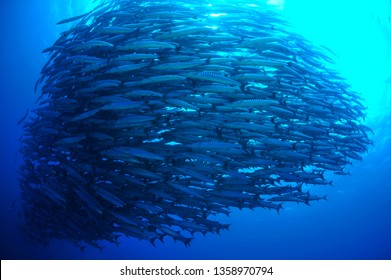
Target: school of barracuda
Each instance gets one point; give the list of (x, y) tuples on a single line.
[(154, 117)]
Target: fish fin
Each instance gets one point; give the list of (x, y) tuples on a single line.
[(23, 118), (152, 241), (279, 208), (187, 242)]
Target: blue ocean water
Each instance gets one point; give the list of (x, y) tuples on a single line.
[(355, 221)]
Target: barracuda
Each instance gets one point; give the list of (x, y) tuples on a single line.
[(155, 117)]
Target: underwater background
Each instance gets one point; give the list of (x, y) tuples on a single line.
[(355, 221)]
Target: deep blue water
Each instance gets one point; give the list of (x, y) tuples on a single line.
[(355, 222)]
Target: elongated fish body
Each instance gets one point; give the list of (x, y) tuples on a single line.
[(155, 117)]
